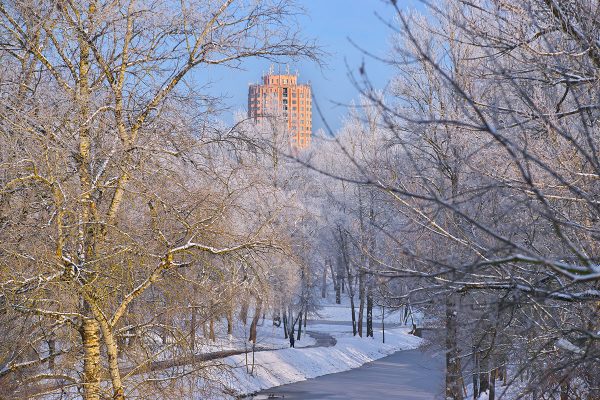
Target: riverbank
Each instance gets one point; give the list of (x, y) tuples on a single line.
[(406, 375), (280, 367)]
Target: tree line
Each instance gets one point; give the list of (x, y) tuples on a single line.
[(477, 171)]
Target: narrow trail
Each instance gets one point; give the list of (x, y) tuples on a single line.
[(322, 340)]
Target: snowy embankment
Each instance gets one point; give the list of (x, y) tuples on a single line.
[(269, 337), (330, 311), (510, 392), (279, 367)]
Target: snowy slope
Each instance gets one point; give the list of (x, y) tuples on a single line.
[(279, 367)]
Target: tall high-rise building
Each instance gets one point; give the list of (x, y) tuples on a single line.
[(280, 97)]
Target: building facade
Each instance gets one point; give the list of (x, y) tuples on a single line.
[(280, 97)]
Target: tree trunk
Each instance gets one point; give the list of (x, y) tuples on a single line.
[(51, 351), (370, 313), (346, 264), (475, 373), (194, 320), (353, 311), (564, 391), (244, 312), (383, 322), (133, 337), (255, 318), (324, 282), (453, 370), (292, 324), (193, 328), (406, 314), (230, 321), (305, 318), (112, 352), (300, 325), (361, 307), (211, 329), (164, 332), (338, 284), (492, 395), (484, 373), (211, 321), (285, 324), (371, 262), (90, 336), (229, 312)]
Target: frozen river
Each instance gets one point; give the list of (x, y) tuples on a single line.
[(406, 375)]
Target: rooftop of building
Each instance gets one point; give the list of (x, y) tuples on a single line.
[(279, 79)]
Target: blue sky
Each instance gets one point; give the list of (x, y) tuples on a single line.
[(334, 24)]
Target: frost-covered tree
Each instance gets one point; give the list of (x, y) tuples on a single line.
[(490, 164), (116, 183)]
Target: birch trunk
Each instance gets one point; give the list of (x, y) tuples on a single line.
[(112, 351), (90, 336)]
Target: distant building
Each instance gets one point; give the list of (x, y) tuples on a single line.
[(280, 97)]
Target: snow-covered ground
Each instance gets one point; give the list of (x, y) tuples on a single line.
[(268, 336), (274, 363), (513, 391), (329, 311), (279, 367)]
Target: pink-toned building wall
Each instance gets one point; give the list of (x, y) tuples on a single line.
[(282, 96)]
